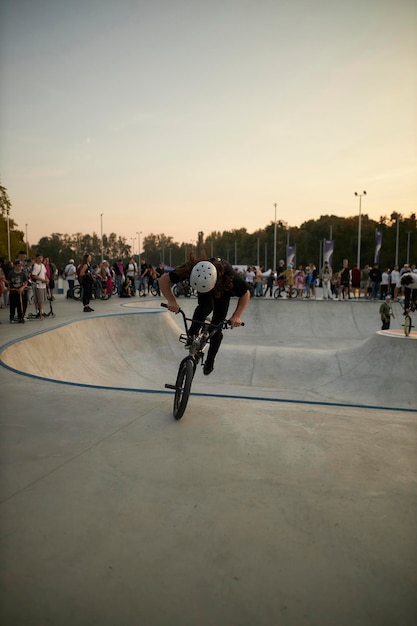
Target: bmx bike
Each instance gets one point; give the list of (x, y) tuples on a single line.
[(408, 325), (288, 290), (196, 346), (183, 289)]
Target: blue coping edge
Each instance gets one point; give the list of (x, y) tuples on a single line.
[(163, 392)]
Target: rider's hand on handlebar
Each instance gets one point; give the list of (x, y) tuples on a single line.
[(235, 321), (173, 305)]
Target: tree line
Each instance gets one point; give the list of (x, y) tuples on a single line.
[(238, 246)]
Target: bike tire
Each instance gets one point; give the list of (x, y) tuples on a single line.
[(183, 387), (294, 292), (277, 292), (407, 325), (77, 292), (154, 291)]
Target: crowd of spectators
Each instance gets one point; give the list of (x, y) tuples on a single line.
[(346, 283), (127, 278)]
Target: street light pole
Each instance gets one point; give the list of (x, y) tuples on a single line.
[(8, 234), (275, 239), (138, 234), (26, 237), (397, 240), (359, 195), (408, 245), (101, 227)]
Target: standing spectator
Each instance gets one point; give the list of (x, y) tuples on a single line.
[(355, 277), (2, 286), (249, 278), (27, 269), (386, 313), (70, 273), (144, 277), (269, 283), (395, 282), (385, 283), (326, 281), (299, 280), (131, 271), (17, 282), (40, 282), (119, 273), (6, 267), (258, 282), (365, 282), (311, 280), (336, 285), (160, 271), (344, 280), (86, 280), (51, 272), (375, 277)]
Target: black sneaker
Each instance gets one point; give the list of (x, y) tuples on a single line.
[(208, 367)]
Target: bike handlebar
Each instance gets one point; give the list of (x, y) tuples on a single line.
[(225, 323)]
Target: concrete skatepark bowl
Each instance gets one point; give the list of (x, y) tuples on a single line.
[(286, 494)]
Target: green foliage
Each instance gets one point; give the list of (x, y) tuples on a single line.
[(237, 246)]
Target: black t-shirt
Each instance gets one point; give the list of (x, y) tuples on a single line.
[(16, 279)]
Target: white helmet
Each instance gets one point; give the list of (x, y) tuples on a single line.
[(203, 276)]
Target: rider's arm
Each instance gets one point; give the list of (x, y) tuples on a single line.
[(242, 303), (165, 285)]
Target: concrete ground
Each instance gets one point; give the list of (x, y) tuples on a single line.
[(285, 495)]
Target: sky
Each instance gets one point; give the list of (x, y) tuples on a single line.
[(180, 116)]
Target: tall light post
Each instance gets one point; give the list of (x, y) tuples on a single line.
[(397, 240), (408, 246), (8, 233), (138, 234), (359, 195), (26, 237), (275, 239), (101, 230)]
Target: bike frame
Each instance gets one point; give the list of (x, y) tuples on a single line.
[(196, 348)]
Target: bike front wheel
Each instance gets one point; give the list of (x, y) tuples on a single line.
[(183, 387), (407, 325)]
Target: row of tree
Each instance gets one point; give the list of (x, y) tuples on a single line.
[(399, 242)]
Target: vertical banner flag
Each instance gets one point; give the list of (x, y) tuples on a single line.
[(291, 255), (378, 245), (328, 251)]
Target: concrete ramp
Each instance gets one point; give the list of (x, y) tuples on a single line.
[(318, 352)]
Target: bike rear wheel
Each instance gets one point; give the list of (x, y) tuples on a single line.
[(77, 292), (183, 387)]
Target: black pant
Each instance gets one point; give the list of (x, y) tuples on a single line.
[(16, 302), (87, 287), (207, 303), (410, 295)]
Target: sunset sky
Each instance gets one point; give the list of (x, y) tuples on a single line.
[(179, 116)]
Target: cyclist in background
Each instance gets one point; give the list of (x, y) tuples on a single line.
[(216, 282), (409, 282)]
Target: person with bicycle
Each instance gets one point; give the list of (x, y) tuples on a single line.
[(409, 282), (216, 282)]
